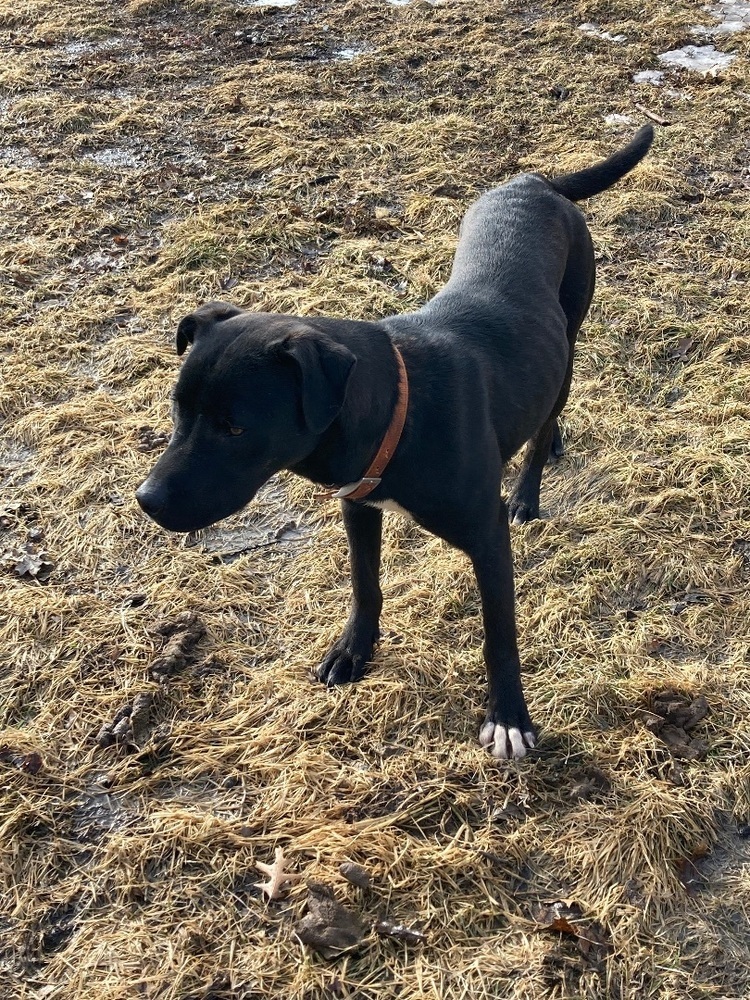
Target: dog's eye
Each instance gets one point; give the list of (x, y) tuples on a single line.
[(231, 429)]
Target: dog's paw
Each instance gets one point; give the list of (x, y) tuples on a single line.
[(339, 666), (346, 661), (506, 742), (520, 512)]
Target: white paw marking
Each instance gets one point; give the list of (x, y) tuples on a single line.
[(496, 738), (518, 519)]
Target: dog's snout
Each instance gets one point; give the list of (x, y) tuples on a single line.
[(151, 497)]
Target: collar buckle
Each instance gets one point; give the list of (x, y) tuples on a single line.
[(369, 482)]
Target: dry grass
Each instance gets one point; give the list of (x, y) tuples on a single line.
[(154, 155)]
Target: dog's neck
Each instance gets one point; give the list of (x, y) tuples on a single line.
[(347, 448)]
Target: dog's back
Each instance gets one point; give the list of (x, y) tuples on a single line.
[(517, 240)]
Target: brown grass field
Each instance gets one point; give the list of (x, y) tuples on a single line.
[(317, 158)]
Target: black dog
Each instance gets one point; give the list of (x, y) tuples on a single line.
[(488, 364)]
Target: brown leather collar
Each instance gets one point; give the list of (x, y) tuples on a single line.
[(364, 486)]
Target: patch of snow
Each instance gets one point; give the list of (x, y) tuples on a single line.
[(97, 262), (652, 76), (593, 29), (269, 3), (679, 95), (120, 93), (18, 156), (732, 15), (113, 158), (618, 119), (699, 58), (76, 49), (345, 55)]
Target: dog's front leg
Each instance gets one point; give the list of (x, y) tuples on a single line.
[(347, 659), (507, 731)]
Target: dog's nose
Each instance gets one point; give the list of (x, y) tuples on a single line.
[(151, 497)]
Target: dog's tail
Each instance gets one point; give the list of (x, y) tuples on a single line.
[(592, 180)]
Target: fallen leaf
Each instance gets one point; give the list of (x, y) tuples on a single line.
[(557, 916), (681, 348), (565, 917), (355, 874), (594, 942), (506, 813), (328, 927), (28, 564), (590, 785), (29, 561), (563, 925), (689, 873), (30, 763), (277, 877)]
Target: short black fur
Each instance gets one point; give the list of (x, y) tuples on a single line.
[(489, 362)]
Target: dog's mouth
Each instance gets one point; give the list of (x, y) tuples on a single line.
[(182, 526), (165, 511), (171, 521), (173, 511)]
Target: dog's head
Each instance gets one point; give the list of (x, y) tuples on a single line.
[(254, 395)]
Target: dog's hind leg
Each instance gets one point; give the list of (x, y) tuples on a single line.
[(557, 448), (524, 501), (348, 658), (576, 291)]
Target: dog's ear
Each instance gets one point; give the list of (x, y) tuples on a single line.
[(325, 368), (185, 333), (201, 320)]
